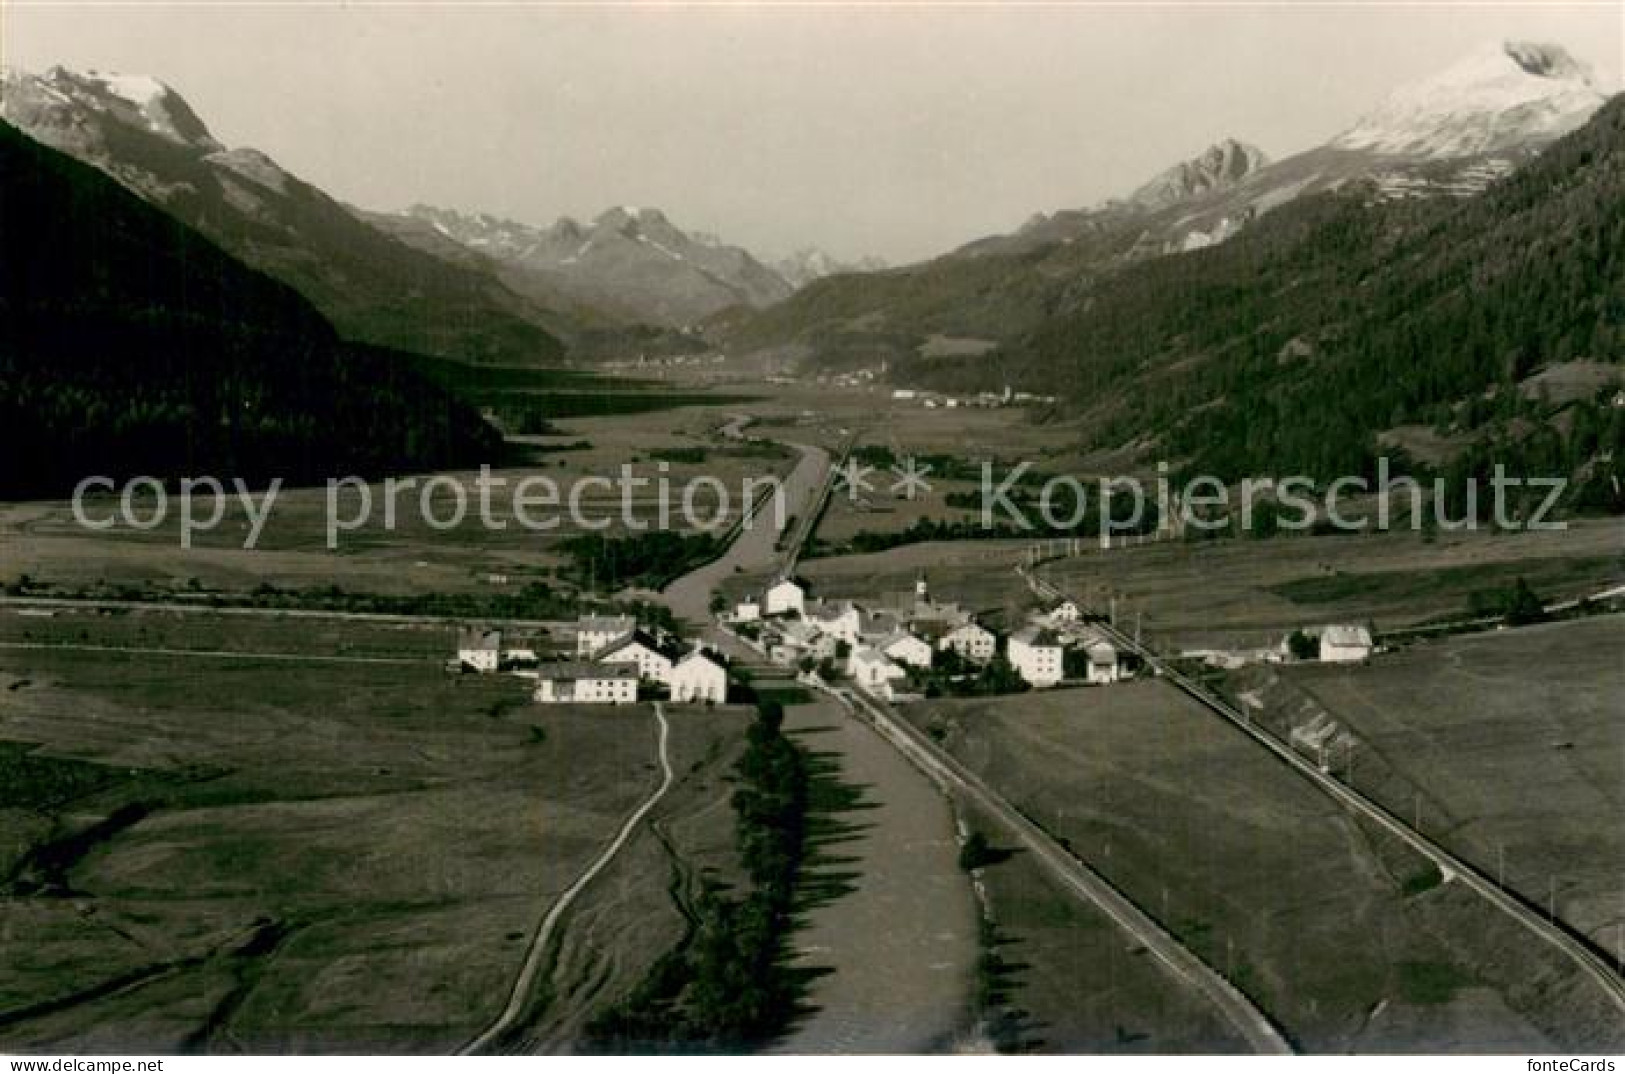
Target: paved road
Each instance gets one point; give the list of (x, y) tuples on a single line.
[(1453, 868), (1077, 877), (524, 984)]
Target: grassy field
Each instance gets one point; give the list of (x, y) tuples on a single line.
[(978, 574), (204, 631), (1513, 741), (1251, 592), (1070, 982), (206, 854), (1346, 938), (408, 555), (636, 910)]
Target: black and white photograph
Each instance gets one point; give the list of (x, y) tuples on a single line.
[(554, 529)]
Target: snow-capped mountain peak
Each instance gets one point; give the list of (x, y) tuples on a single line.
[(1503, 95), (1218, 167), (810, 263), (61, 97)]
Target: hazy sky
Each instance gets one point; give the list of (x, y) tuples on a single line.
[(896, 130)]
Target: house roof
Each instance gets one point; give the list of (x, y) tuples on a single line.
[(1037, 635), (869, 655), (635, 637), (1346, 635), (782, 582), (931, 609), (896, 637), (573, 670), (700, 654)]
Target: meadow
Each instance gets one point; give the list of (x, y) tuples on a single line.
[(1348, 940)]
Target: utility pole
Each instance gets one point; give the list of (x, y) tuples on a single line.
[(1551, 902), (1418, 823), (1501, 865)]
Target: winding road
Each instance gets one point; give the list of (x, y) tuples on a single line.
[(523, 986)]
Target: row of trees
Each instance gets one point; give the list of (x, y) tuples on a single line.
[(727, 986)]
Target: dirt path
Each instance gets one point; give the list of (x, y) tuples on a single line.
[(901, 943), (524, 983)]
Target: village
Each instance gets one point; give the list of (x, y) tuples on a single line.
[(895, 649), (615, 661)]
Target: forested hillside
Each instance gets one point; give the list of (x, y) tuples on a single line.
[(1295, 345), (130, 344)]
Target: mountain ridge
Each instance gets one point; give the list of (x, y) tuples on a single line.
[(373, 287)]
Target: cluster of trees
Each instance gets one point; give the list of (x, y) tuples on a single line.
[(129, 344), (727, 986), (1517, 604), (953, 676), (650, 559)]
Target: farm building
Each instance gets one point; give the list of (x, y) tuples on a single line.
[(1036, 654), (841, 620), (1345, 644), (699, 678), (593, 632), (653, 660), (972, 641), (479, 649), (873, 671), (905, 648), (578, 683), (1104, 666), (748, 610), (785, 595)]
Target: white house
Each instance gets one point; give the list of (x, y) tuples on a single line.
[(972, 641), (873, 671), (1104, 667), (748, 610), (698, 678), (785, 595), (842, 620), (1036, 654), (905, 648), (808, 639), (653, 662), (593, 632), (1344, 644), (480, 649), (519, 651), (1065, 612), (579, 683), (876, 627)]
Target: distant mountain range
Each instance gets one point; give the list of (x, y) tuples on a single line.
[(810, 263), (373, 287), (1450, 134), (630, 263), (1457, 332), (131, 344)]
